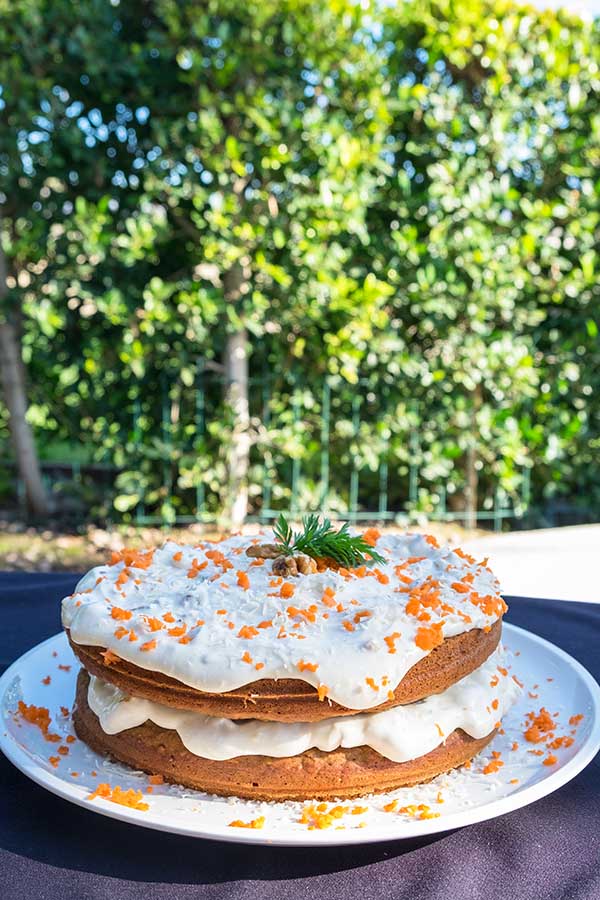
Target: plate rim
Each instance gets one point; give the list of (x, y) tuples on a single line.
[(413, 829)]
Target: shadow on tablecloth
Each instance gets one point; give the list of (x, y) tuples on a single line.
[(56, 833)]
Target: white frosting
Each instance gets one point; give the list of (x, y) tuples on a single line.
[(344, 644), (475, 704)]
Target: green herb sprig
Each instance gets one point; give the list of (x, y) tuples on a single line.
[(319, 538)]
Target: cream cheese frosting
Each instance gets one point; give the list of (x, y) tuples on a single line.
[(475, 704), (216, 620)]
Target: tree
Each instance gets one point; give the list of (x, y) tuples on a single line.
[(272, 130), (226, 227)]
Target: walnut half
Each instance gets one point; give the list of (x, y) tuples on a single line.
[(294, 565), (264, 551)]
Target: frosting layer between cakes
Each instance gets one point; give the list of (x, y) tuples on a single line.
[(213, 619), (475, 704)]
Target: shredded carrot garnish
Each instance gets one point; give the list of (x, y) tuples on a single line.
[(539, 726), (287, 590), (196, 568), (116, 794), (109, 657), (322, 691), (149, 645), (422, 811), (491, 606), (168, 617), (317, 816), (381, 577), (405, 579), (328, 597), (309, 614), (460, 588), (363, 614), (123, 578), (430, 637), (243, 580), (371, 536), (121, 614), (138, 559), (465, 556), (307, 666), (247, 631), (493, 766), (391, 639), (254, 823), (39, 716)]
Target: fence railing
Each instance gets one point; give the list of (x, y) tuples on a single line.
[(320, 448), (54, 473)]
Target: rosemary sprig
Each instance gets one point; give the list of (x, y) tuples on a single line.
[(319, 539)]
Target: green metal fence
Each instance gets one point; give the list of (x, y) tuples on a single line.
[(327, 428)]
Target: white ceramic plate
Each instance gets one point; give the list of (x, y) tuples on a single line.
[(552, 680)]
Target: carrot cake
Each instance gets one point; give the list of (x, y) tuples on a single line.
[(310, 664)]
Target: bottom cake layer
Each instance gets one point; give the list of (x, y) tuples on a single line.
[(340, 774)]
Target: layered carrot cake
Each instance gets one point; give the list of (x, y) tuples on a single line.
[(294, 665)]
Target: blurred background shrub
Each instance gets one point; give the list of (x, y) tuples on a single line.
[(299, 255)]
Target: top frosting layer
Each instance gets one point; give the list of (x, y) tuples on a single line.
[(215, 619)]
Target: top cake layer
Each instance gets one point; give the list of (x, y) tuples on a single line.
[(214, 619)]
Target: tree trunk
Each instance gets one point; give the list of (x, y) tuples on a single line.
[(235, 363), (471, 471), (471, 488), (13, 384)]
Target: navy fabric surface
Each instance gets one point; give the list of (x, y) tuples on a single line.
[(52, 849)]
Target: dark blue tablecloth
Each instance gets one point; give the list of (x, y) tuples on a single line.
[(51, 849)]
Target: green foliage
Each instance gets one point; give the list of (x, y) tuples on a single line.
[(409, 194), (319, 539)]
